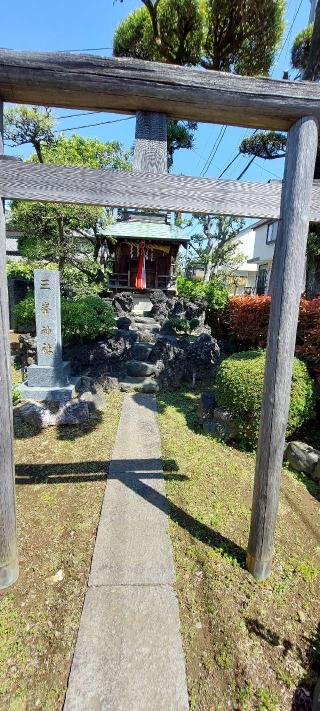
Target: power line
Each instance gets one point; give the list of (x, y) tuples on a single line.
[(86, 49), (88, 125), (84, 113), (74, 128), (246, 168), (234, 159), (288, 33), (213, 150), (228, 166)]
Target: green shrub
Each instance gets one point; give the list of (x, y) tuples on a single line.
[(20, 270), (85, 318), (214, 292), (183, 325), (82, 318), (239, 387), (25, 313), (15, 395)]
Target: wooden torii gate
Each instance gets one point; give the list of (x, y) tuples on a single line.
[(156, 92)]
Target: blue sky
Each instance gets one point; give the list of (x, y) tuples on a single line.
[(79, 24)]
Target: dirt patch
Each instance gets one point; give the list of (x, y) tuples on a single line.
[(248, 645), (61, 476)]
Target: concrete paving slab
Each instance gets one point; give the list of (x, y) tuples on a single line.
[(128, 654)]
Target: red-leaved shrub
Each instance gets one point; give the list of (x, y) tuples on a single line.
[(246, 318)]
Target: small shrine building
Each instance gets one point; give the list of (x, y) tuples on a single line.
[(145, 250)]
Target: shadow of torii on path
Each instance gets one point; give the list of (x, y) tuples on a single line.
[(133, 473)]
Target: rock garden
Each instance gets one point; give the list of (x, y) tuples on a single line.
[(251, 646)]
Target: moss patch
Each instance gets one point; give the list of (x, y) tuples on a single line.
[(61, 474), (248, 645)]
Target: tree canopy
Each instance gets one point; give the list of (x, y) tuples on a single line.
[(239, 37), (214, 245), (71, 236)]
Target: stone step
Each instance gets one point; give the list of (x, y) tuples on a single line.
[(141, 351), (145, 319), (140, 368), (138, 385), (151, 327), (141, 313)]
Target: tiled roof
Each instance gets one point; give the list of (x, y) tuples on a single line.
[(146, 231)]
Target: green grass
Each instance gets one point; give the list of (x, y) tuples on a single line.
[(61, 475), (248, 645)]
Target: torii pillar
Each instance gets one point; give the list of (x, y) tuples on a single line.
[(9, 569)]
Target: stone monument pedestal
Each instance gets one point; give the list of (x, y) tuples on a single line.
[(45, 382), (50, 378)]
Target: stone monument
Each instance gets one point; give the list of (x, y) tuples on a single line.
[(50, 378)]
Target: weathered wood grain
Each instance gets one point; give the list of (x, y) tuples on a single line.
[(119, 188), (288, 267), (8, 551), (130, 85), (150, 145)]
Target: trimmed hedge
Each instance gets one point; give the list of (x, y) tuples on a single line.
[(239, 388), (82, 318), (246, 318)]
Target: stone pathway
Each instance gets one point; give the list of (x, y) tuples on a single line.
[(128, 654)]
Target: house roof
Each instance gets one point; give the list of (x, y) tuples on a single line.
[(132, 229)]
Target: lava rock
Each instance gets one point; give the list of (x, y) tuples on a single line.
[(108, 383), (140, 369), (124, 323), (73, 412), (34, 414), (123, 303), (96, 403), (302, 457), (206, 406), (27, 350)]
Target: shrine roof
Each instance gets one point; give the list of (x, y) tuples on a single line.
[(146, 231)]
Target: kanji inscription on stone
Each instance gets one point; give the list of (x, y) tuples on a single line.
[(48, 318)]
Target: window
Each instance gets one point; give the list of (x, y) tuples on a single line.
[(272, 232)]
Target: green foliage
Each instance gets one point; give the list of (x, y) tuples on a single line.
[(308, 570), (71, 236), (25, 313), (86, 318), (91, 152), (23, 124), (180, 134), (183, 325), (268, 700), (20, 270), (173, 32), (301, 48), (214, 244), (239, 388), (214, 292), (15, 395), (265, 144), (241, 37), (82, 318)]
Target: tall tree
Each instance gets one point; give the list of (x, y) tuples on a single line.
[(72, 236), (240, 37), (305, 56), (214, 245)]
